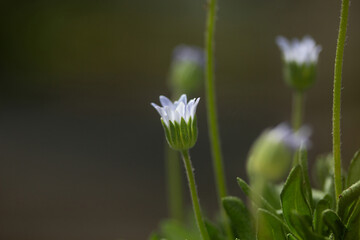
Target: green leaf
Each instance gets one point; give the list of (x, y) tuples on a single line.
[(293, 198), (323, 169), (347, 197), (269, 226), (214, 232), (303, 161), (256, 198), (353, 230), (303, 227), (240, 217), (321, 206), (354, 170), (291, 237), (332, 220), (174, 230)]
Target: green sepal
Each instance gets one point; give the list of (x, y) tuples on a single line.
[(332, 220), (184, 133), (299, 76), (194, 130), (240, 217), (167, 133), (173, 135)]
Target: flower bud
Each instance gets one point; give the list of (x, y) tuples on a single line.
[(300, 61), (179, 121), (187, 69), (271, 155)]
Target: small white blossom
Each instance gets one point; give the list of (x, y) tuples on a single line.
[(283, 133), (174, 112), (189, 53), (179, 121), (303, 51)]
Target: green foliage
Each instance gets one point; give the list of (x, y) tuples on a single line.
[(354, 170), (293, 198), (270, 227), (240, 217)]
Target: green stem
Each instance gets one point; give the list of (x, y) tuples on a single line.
[(211, 111), (174, 184), (337, 96), (194, 195), (297, 109)]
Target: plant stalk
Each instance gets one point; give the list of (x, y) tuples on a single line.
[(297, 110), (194, 196), (337, 97), (212, 113), (174, 184)]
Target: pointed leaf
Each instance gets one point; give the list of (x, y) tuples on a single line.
[(291, 237), (321, 206), (214, 232), (303, 227), (332, 220), (353, 230), (240, 217), (354, 170), (347, 197), (303, 161), (269, 226), (292, 197), (256, 198)]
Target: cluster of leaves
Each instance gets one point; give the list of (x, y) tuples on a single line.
[(290, 211), (304, 213)]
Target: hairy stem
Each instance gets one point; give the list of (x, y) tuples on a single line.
[(194, 196), (337, 96), (211, 111)]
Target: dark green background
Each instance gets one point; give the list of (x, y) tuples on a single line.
[(81, 149)]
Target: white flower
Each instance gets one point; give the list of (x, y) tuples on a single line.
[(303, 51), (189, 53), (179, 121), (174, 112), (283, 133)]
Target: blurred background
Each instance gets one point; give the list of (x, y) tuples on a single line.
[(81, 149)]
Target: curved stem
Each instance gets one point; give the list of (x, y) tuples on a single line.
[(337, 96), (194, 195), (297, 110)]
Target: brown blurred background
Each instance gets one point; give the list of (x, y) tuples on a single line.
[(81, 149)]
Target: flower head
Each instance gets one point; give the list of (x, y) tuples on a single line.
[(187, 69), (179, 121), (303, 51), (300, 60), (271, 154)]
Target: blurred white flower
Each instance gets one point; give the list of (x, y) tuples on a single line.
[(285, 134), (272, 153), (303, 51), (189, 53)]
